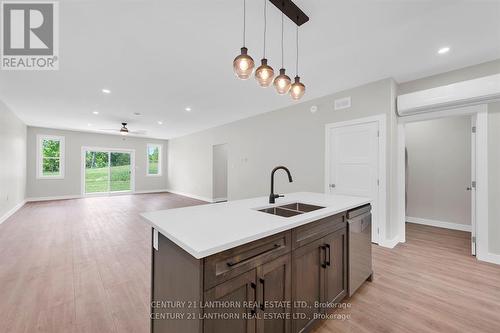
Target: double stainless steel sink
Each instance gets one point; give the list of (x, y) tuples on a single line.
[(291, 209)]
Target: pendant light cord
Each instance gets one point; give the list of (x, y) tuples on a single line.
[(282, 36), (265, 27), (244, 20), (297, 61)]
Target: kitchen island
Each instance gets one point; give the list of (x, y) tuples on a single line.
[(249, 266)]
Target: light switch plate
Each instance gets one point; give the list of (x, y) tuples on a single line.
[(155, 239)]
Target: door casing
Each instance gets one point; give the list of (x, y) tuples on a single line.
[(379, 221), (479, 159)]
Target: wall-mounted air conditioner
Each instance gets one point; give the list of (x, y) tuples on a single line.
[(460, 94)]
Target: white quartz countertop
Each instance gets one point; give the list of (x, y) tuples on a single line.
[(208, 229)]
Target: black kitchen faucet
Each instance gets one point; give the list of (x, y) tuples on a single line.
[(272, 196)]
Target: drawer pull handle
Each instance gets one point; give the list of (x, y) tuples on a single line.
[(254, 287), (262, 305), (231, 264), (329, 254), (323, 264)]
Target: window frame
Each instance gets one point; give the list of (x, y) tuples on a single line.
[(160, 156), (39, 157)]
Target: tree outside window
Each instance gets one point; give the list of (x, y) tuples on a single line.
[(50, 157), (154, 160)]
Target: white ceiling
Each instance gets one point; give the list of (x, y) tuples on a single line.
[(159, 56)]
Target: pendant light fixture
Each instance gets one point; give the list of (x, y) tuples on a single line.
[(264, 73), (298, 89), (243, 64), (282, 82)]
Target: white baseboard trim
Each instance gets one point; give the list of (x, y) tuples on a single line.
[(390, 243), (151, 191), (439, 224), (490, 257), (79, 196), (193, 196), (60, 197), (12, 211)]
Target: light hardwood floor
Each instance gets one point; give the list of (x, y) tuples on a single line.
[(79, 265), (431, 283), (84, 266)]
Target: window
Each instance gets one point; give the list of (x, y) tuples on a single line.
[(50, 157), (154, 160)]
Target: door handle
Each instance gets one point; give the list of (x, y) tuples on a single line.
[(323, 264), (469, 188), (254, 287), (332, 185), (327, 246)]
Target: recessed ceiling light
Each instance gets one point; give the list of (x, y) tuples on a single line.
[(160, 122), (188, 109), (106, 91), (444, 50), (89, 124), (95, 112)]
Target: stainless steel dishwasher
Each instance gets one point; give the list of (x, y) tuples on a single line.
[(359, 224)]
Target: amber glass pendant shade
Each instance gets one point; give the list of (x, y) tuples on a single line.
[(264, 74), (282, 82), (243, 65), (298, 89)]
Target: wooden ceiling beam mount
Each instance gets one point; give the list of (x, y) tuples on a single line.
[(291, 10)]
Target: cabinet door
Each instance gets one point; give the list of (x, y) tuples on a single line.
[(240, 290), (336, 270), (275, 288), (307, 283)]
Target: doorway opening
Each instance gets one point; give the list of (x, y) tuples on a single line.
[(479, 173), (355, 164), (440, 181), (219, 173), (107, 171)]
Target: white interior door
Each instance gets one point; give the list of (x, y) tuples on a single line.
[(219, 171), (353, 169), (472, 187)]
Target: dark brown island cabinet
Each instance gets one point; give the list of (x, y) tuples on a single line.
[(278, 284)]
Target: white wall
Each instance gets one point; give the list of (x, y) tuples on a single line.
[(439, 170), (468, 73), (12, 162), (494, 177), (71, 184), (220, 172), (292, 136), (462, 74)]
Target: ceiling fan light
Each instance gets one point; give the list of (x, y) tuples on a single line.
[(298, 89), (243, 65), (264, 74), (124, 129), (282, 82)]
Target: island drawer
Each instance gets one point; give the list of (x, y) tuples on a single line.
[(310, 232), (223, 266)]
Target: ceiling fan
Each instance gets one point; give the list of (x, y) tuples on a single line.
[(125, 131)]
